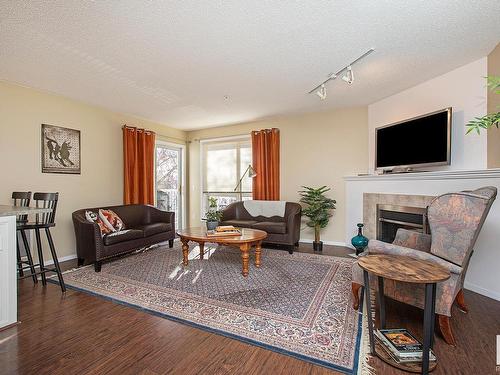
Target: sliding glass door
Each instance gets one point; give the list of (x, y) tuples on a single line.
[(169, 180)]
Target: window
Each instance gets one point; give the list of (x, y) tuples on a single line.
[(223, 163)]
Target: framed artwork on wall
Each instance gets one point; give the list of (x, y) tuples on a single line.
[(60, 150)]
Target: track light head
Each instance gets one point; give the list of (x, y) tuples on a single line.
[(349, 75), (322, 92)]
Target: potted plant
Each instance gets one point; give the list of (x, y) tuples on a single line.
[(318, 210), (492, 119), (213, 216)]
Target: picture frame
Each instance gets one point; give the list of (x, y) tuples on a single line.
[(61, 150)]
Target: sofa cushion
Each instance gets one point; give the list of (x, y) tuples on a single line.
[(93, 217), (123, 235), (270, 227), (239, 223), (155, 228), (112, 220)]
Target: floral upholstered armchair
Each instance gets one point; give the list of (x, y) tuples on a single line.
[(455, 220)]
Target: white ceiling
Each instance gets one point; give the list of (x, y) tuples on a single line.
[(174, 61)]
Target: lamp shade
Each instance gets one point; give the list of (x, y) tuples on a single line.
[(251, 172)]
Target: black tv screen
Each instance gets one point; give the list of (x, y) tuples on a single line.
[(415, 142)]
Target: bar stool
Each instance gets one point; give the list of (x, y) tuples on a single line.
[(22, 199), (45, 221)]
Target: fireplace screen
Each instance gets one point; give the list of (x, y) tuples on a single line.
[(390, 218)]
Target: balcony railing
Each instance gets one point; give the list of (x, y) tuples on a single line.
[(167, 200), (224, 198)]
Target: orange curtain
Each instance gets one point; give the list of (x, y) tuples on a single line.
[(266, 163), (138, 162)]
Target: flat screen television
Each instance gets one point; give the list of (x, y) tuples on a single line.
[(417, 142)]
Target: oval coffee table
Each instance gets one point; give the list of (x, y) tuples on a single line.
[(248, 238), (408, 270)]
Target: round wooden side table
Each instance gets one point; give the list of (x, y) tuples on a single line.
[(408, 270)]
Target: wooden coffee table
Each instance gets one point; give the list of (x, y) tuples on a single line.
[(408, 270), (248, 238)]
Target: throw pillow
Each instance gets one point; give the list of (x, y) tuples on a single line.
[(112, 220), (94, 218)]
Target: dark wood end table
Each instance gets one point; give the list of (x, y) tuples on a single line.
[(408, 270), (248, 238)]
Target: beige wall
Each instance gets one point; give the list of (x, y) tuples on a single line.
[(23, 110), (316, 149), (494, 106)]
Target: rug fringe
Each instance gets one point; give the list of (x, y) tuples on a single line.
[(364, 368)]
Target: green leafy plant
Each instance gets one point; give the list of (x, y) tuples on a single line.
[(318, 208), (213, 214), (488, 121)]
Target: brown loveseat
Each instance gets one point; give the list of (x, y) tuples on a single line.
[(281, 229), (145, 225)]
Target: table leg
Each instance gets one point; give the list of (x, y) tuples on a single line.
[(369, 311), (381, 301), (185, 251), (245, 248), (202, 249), (433, 314), (258, 251), (428, 315)]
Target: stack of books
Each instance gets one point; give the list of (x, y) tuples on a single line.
[(223, 231), (401, 345)]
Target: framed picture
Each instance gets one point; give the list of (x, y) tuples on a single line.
[(60, 150)]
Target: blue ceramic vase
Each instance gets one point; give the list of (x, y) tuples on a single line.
[(359, 242)]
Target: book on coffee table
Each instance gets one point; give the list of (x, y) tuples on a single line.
[(214, 233), (225, 228)]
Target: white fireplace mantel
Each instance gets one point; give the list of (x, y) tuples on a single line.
[(434, 175), (482, 276)]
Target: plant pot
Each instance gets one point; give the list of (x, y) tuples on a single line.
[(318, 246), (211, 225)]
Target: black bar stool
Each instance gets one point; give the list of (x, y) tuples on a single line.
[(22, 199), (45, 221)]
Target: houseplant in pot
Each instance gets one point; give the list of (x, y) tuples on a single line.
[(492, 119), (213, 216), (318, 209)]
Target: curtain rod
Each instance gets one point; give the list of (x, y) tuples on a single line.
[(183, 141), (138, 129)]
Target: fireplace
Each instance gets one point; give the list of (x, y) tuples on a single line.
[(392, 217)]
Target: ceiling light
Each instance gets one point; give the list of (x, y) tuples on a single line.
[(349, 75), (322, 92)]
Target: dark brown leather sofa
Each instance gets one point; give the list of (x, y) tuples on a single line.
[(281, 230), (146, 226)]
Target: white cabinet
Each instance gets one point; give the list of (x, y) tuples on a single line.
[(8, 281)]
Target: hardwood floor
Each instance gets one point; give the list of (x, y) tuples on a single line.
[(81, 334)]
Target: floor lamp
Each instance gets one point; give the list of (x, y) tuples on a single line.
[(251, 173)]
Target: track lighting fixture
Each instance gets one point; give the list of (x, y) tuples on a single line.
[(322, 92), (348, 77)]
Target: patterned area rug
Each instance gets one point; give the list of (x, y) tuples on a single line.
[(297, 304)]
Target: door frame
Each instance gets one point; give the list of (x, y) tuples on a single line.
[(182, 182)]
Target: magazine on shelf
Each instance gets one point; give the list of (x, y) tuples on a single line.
[(402, 340), (402, 356), (402, 360)]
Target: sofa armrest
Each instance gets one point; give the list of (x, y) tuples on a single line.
[(293, 224), (413, 240), (158, 215), (229, 213), (379, 247), (89, 242)]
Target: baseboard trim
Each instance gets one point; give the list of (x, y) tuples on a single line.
[(482, 291), (335, 243), (61, 259)]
